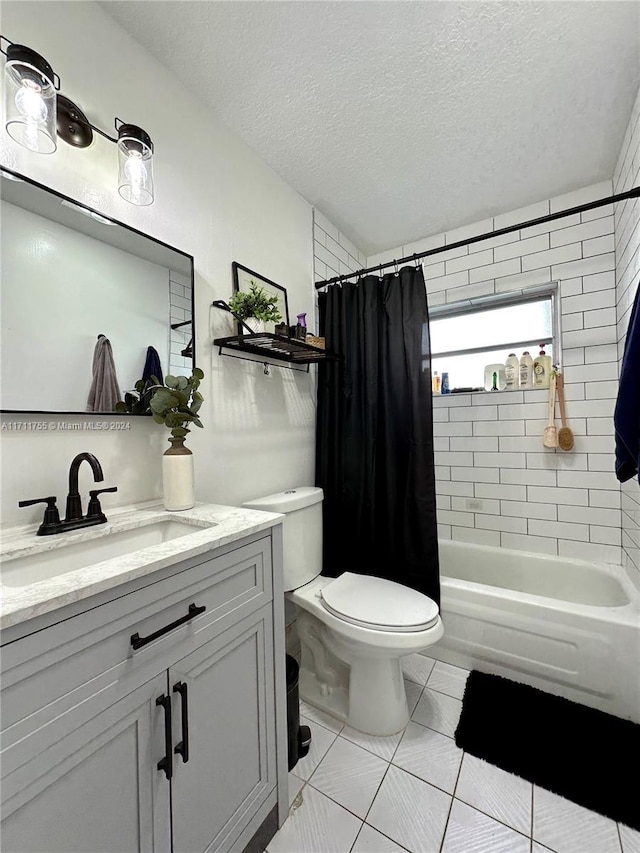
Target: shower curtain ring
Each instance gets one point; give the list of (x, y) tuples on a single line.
[(396, 266), (380, 271), (266, 369)]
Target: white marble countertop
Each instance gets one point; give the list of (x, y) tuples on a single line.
[(21, 602)]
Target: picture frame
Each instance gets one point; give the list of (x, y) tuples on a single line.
[(242, 279)]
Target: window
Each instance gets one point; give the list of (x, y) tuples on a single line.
[(467, 336)]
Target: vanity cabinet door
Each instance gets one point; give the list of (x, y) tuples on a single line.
[(231, 736), (97, 790)]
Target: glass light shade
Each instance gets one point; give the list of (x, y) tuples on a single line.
[(30, 100), (135, 165)]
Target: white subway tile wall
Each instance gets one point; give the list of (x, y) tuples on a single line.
[(506, 488), (180, 311), (333, 254), (627, 254)]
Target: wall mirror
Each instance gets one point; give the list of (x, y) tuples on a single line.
[(71, 275)]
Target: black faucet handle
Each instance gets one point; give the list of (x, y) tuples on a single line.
[(95, 492), (51, 515), (50, 501), (94, 510)]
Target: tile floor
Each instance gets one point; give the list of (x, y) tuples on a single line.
[(416, 791)]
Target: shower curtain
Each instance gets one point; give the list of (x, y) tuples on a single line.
[(374, 445)]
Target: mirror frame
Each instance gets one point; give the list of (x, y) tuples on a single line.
[(18, 176)]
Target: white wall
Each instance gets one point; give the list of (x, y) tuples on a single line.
[(496, 482), (216, 200), (627, 219)]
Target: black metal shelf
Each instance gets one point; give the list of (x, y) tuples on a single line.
[(275, 347)]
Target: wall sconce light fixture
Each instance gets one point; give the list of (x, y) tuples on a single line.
[(30, 98), (36, 113)]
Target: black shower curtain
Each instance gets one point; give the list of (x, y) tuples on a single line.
[(374, 445)]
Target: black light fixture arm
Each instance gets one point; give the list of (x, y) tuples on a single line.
[(614, 199)]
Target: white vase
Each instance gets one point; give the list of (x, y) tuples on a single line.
[(255, 325), (177, 476)]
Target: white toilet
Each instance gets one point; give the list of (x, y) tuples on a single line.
[(353, 629)]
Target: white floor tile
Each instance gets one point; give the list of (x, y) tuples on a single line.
[(410, 811), (417, 668), (413, 691), (321, 740), (448, 679), (438, 712), (429, 755), (318, 716), (296, 784), (630, 839), (568, 828), (384, 747), (349, 775), (470, 830), (501, 795), (318, 826), (372, 841)]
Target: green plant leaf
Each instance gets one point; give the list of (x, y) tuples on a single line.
[(171, 381), (197, 373)]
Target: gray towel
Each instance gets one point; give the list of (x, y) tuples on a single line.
[(104, 392)]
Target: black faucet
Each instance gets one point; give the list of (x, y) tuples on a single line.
[(73, 518), (74, 502)]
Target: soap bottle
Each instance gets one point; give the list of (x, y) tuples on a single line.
[(541, 369), (526, 370), (301, 327), (511, 369), (435, 382)]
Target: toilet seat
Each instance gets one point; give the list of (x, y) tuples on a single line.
[(378, 603)]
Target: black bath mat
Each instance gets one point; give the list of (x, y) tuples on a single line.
[(569, 749)]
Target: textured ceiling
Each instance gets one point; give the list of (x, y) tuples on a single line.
[(402, 119)]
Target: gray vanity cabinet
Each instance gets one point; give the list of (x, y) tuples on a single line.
[(85, 739), (94, 791), (231, 765)]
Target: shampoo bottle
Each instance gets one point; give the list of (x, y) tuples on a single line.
[(541, 369), (511, 369), (435, 382), (526, 370)]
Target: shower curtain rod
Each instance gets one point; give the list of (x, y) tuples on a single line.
[(634, 193)]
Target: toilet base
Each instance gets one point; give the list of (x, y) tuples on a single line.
[(355, 673), (354, 707), (335, 702)]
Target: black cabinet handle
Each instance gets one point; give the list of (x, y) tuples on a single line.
[(166, 763), (183, 747), (137, 642)]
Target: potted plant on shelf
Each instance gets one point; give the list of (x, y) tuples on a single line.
[(175, 404), (255, 307)]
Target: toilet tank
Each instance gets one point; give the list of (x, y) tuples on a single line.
[(302, 531)]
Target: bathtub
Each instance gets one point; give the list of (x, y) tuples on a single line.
[(566, 626)]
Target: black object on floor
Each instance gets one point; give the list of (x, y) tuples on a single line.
[(299, 737), (574, 751)]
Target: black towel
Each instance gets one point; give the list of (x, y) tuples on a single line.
[(152, 367), (626, 417)]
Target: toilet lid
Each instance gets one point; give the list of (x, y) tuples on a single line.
[(379, 603)]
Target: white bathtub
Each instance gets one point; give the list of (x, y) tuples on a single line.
[(566, 626)]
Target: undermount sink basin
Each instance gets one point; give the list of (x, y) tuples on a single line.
[(32, 568)]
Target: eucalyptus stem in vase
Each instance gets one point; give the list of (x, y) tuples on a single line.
[(176, 405)]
